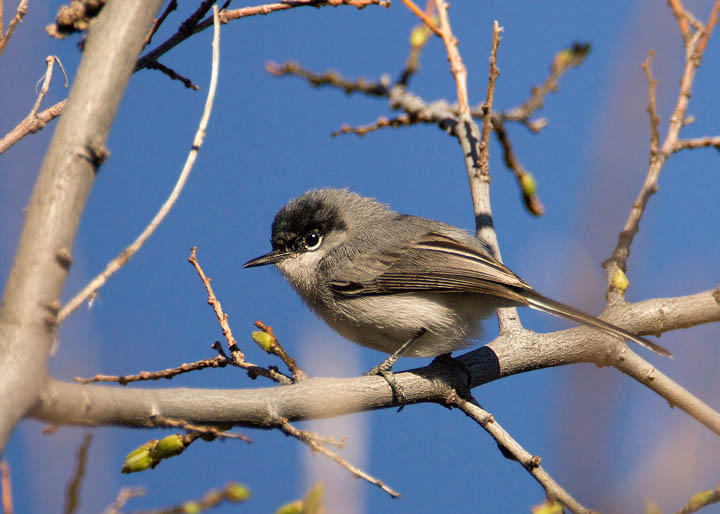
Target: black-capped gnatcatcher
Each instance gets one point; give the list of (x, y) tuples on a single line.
[(382, 279)]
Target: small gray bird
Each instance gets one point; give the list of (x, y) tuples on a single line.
[(381, 279)]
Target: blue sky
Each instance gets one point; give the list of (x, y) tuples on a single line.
[(612, 443)]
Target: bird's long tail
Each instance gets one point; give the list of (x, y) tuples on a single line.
[(541, 303)]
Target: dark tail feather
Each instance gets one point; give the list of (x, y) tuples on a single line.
[(541, 303)]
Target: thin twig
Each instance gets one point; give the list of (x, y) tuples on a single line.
[(331, 441), (562, 62), (50, 60), (681, 17), (33, 121), (217, 307), (311, 440), (701, 500), (429, 23), (419, 36), (156, 65), (171, 6), (126, 494), (524, 178), (440, 112), (404, 120), (72, 496), (159, 421), (187, 27), (117, 263), (698, 142), (6, 487), (652, 107), (265, 9), (187, 30), (693, 57), (475, 146), (31, 126), (276, 349), (329, 78), (219, 361), (484, 160), (19, 15), (709, 26), (639, 369), (512, 449), (231, 493), (237, 357), (457, 68)]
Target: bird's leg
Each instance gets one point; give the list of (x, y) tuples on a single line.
[(384, 369), (386, 365)]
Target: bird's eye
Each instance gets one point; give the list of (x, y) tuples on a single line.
[(312, 240)]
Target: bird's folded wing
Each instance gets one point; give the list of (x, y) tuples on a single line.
[(437, 262)]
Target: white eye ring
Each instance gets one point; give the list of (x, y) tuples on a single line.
[(312, 240)]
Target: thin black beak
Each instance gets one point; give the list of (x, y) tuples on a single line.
[(264, 260)]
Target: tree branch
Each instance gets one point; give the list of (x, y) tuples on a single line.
[(698, 142), (28, 316), (511, 447), (188, 30), (693, 57), (125, 256), (509, 354), (19, 15)]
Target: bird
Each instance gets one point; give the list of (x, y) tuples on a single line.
[(391, 281)]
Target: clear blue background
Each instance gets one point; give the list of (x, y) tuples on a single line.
[(609, 441)]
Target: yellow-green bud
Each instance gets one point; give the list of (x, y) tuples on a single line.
[(295, 507), (548, 508), (527, 182), (262, 339), (699, 500), (419, 36), (237, 493), (619, 280), (192, 507), (137, 460), (314, 499), (168, 447)]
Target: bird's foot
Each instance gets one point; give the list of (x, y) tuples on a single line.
[(384, 369)]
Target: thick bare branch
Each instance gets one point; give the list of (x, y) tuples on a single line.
[(511, 353), (28, 316)]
